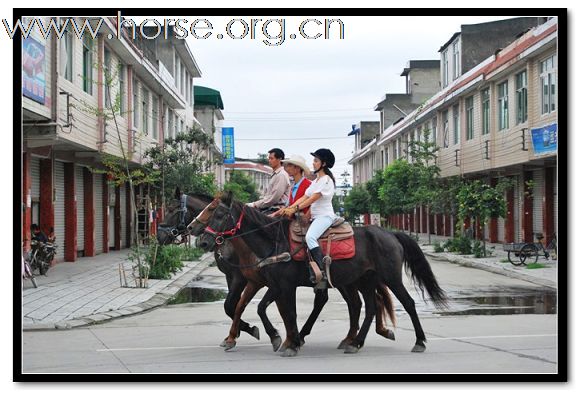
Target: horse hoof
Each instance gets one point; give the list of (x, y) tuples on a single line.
[(223, 343), (256, 332), (289, 352), (419, 348), (276, 342), (302, 342), (229, 345), (390, 335), (343, 344), (350, 349)]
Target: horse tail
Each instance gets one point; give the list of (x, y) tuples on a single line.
[(421, 271), (388, 308)]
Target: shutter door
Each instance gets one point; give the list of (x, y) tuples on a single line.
[(80, 197), (501, 229), (123, 196), (59, 209), (538, 201), (35, 174), (98, 201), (556, 201)]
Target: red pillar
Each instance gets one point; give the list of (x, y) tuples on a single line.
[(493, 232), (478, 229), (548, 203), (89, 202), (105, 204), (431, 223), (423, 219), (412, 222), (509, 220), (26, 200), (440, 224), (117, 243), (70, 213), (46, 196), (128, 215), (447, 231), (528, 219)]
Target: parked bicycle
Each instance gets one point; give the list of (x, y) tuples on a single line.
[(27, 272), (523, 253)]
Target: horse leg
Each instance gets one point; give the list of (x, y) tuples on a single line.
[(287, 309), (368, 292), (405, 298), (275, 338), (320, 299), (384, 304), (249, 291), (352, 299)]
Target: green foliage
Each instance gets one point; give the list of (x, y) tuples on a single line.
[(396, 191), (461, 245), (190, 253), (373, 186), (356, 202), (437, 248), (479, 200), (535, 266), (167, 259), (242, 187)]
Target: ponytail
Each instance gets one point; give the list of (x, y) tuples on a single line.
[(329, 173)]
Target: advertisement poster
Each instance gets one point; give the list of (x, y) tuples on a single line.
[(33, 79)]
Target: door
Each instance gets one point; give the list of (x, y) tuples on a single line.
[(99, 216), (80, 198), (59, 210)]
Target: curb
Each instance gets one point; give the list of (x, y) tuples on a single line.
[(496, 270), (159, 299)]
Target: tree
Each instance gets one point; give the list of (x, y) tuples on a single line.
[(373, 186), (396, 190), (478, 200), (243, 188), (356, 202)]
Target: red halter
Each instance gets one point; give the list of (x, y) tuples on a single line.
[(230, 232)]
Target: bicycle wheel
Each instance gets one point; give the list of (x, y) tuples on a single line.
[(514, 258), (529, 254)]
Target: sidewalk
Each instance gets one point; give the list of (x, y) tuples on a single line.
[(88, 291), (497, 262)]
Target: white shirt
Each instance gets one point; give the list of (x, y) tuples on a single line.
[(323, 206)]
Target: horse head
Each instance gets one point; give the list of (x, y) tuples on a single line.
[(180, 212)]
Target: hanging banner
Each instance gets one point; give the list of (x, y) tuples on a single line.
[(228, 145), (33, 71), (545, 139)]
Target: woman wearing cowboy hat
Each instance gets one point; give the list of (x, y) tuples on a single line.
[(319, 197), (295, 166)]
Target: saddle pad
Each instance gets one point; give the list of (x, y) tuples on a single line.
[(339, 249), (343, 231)]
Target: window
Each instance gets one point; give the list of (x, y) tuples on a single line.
[(108, 78), (502, 106), (155, 115), (446, 129), (122, 105), (522, 97), (485, 112), (145, 110), (445, 63), (135, 104), (88, 65), (469, 118), (455, 50), (456, 125), (434, 130), (548, 84), (66, 52)]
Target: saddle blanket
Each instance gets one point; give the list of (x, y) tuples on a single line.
[(339, 249)]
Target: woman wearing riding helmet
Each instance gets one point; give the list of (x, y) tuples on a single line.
[(319, 197)]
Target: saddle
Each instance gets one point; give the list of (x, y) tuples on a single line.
[(337, 242)]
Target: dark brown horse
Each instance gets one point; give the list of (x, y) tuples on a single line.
[(266, 238)]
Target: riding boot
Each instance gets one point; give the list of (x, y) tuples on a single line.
[(317, 257)]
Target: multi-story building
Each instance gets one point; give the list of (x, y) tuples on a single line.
[(497, 119), (69, 85), (258, 172)]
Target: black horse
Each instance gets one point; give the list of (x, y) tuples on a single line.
[(266, 238)]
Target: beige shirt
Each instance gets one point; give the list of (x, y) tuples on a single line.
[(278, 190)]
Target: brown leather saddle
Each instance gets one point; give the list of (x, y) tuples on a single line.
[(339, 230)]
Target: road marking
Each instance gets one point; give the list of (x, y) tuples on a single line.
[(510, 336), (187, 347)]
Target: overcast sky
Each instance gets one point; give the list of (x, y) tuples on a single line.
[(298, 94)]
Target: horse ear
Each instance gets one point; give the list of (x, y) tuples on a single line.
[(177, 193), (227, 197)]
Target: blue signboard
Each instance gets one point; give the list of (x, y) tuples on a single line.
[(228, 145), (33, 80), (545, 139)]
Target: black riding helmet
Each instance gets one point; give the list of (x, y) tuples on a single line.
[(325, 156)]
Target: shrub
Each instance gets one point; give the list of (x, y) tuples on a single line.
[(189, 253), (167, 260), (462, 245), (438, 248)]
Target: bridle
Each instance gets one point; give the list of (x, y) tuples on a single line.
[(180, 229)]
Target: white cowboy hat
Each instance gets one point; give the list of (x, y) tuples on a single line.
[(299, 161)]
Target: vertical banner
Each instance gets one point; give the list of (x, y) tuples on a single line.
[(33, 79), (545, 139), (228, 145)]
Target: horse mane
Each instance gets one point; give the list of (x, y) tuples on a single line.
[(260, 219)]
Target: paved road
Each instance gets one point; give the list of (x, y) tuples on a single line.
[(185, 338)]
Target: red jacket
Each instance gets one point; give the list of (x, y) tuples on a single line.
[(300, 193)]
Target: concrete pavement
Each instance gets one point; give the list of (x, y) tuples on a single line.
[(88, 291)]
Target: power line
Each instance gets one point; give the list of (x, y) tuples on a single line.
[(295, 119), (292, 139), (320, 111)]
